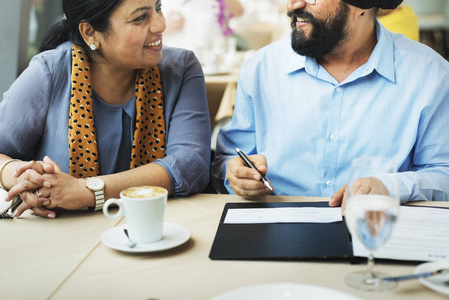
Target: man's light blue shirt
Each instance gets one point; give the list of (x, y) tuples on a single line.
[(310, 127)]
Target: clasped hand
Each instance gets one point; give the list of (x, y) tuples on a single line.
[(43, 186)]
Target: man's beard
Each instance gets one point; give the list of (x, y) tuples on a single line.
[(325, 35)]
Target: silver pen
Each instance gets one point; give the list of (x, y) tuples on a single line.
[(250, 164)]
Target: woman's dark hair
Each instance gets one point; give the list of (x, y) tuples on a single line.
[(96, 12)]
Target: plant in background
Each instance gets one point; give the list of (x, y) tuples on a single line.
[(223, 18)]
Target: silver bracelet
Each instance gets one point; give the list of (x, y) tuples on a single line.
[(1, 172)]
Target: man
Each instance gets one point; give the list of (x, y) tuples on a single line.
[(342, 87)]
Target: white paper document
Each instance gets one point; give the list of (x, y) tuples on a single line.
[(283, 215), (420, 234)]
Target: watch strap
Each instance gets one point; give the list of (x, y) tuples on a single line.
[(99, 200)]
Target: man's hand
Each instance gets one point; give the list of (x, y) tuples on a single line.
[(245, 181), (367, 185)]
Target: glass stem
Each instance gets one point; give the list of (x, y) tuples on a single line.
[(370, 265)]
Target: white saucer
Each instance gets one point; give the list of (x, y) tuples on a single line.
[(283, 290), (173, 236), (436, 282)]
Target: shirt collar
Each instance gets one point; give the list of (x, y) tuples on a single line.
[(381, 60), (294, 61)]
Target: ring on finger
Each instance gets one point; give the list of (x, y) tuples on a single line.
[(38, 193)]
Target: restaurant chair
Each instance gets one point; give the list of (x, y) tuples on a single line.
[(218, 185)]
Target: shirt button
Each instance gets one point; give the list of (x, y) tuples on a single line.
[(329, 183), (332, 137), (338, 89)]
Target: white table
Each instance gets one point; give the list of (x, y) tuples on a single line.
[(65, 259)]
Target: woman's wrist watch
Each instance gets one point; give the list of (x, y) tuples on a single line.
[(96, 185)]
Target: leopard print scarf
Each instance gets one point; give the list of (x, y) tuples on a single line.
[(149, 130)]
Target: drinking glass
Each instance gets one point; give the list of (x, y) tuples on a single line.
[(370, 214)]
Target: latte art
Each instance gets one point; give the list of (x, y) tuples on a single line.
[(144, 192)]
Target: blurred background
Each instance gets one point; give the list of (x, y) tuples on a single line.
[(223, 39)]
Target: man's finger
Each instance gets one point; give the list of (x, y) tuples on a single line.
[(337, 197)]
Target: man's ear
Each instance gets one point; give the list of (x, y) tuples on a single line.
[(89, 34)]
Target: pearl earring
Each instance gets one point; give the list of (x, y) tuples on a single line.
[(93, 47)]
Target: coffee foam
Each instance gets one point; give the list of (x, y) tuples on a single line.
[(143, 192)]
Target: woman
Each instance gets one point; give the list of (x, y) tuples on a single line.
[(107, 104)]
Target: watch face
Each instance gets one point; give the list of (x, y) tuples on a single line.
[(95, 183)]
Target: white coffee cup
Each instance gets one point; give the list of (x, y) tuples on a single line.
[(143, 208)]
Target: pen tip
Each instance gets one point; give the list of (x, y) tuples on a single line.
[(268, 185), (237, 149)]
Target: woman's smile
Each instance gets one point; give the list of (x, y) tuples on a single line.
[(155, 45)]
